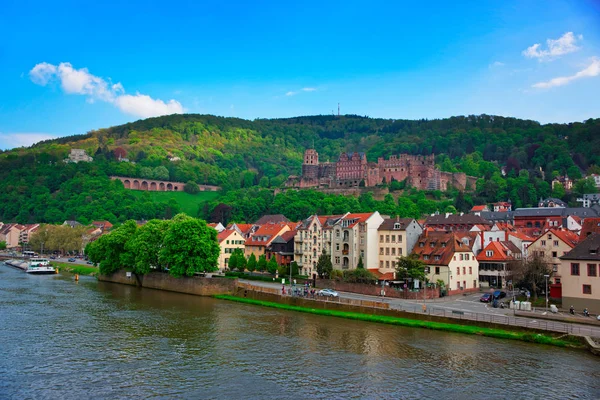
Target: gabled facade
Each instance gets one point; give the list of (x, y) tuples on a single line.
[(261, 239), (449, 260), (282, 248), (229, 241), (355, 236), (11, 234), (314, 235), (494, 262), (455, 222), (580, 275), (396, 238), (551, 245)]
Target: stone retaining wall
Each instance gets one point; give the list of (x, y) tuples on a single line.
[(375, 290), (195, 285)]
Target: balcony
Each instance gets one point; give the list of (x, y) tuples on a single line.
[(345, 252)]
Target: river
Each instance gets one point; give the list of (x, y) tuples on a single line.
[(61, 339)]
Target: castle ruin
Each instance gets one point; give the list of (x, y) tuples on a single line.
[(353, 170)]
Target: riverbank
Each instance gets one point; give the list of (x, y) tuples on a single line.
[(75, 268), (562, 341)]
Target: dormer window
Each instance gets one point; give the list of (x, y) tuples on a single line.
[(592, 251), (421, 244), (396, 225), (489, 253)]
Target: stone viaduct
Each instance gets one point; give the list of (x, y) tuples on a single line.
[(158, 186)]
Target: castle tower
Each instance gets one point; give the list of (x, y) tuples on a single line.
[(310, 166)]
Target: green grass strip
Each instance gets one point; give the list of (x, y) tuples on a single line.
[(414, 323), (75, 268)]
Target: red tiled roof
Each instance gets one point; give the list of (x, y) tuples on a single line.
[(479, 208), (568, 237), (224, 234), (360, 218), (522, 236), (271, 231), (499, 252), (387, 276), (444, 245)]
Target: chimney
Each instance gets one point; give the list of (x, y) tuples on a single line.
[(447, 214)]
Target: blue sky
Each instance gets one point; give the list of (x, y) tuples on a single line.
[(70, 67)]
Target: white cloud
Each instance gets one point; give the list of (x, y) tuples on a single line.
[(12, 140), (590, 71), (306, 89), (80, 81), (145, 106), (556, 47), (497, 64)]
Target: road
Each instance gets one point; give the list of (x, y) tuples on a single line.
[(469, 307)]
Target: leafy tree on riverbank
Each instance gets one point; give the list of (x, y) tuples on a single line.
[(261, 265), (189, 246), (272, 265), (410, 267), (109, 251), (143, 249), (252, 264)]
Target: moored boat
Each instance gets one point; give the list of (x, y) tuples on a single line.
[(39, 266)]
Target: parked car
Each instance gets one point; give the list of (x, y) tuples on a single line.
[(486, 298), (328, 293), (52, 258), (71, 260), (90, 263), (499, 294)]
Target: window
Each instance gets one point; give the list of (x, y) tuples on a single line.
[(393, 251), (470, 270), (380, 264), (337, 247), (462, 257), (381, 238), (421, 244), (425, 257), (587, 289), (467, 257), (393, 238), (437, 270), (387, 238), (381, 251), (387, 251), (574, 268), (393, 264), (399, 238), (457, 270), (554, 254), (337, 260), (387, 264), (543, 242), (438, 257), (464, 270), (489, 253), (591, 269), (227, 241), (556, 243), (399, 251), (549, 236), (337, 233)]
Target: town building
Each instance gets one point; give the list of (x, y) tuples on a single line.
[(495, 263), (589, 199), (590, 226), (355, 237), (246, 230), (455, 222), (26, 232), (580, 272), (78, 155), (449, 260), (229, 241), (397, 238), (565, 181), (11, 235), (476, 210), (596, 179), (282, 248), (258, 242), (314, 236), (502, 206), (552, 202), (352, 169), (551, 245)]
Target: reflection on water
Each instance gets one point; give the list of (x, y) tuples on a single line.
[(62, 339)]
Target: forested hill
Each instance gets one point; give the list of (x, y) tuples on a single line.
[(236, 153)]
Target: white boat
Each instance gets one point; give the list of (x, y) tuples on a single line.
[(39, 266)]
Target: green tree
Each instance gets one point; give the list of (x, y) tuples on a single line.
[(252, 264), (142, 250), (233, 263), (558, 190), (262, 263), (191, 187), (324, 265), (3, 245), (359, 276), (272, 265), (110, 250), (189, 246), (295, 268), (240, 260), (161, 173), (360, 264), (410, 267)]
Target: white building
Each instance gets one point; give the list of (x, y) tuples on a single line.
[(355, 236)]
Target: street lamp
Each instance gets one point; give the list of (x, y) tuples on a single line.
[(546, 276)]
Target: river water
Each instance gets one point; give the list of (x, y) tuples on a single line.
[(61, 339)]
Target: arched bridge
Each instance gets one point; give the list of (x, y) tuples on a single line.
[(158, 186)]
